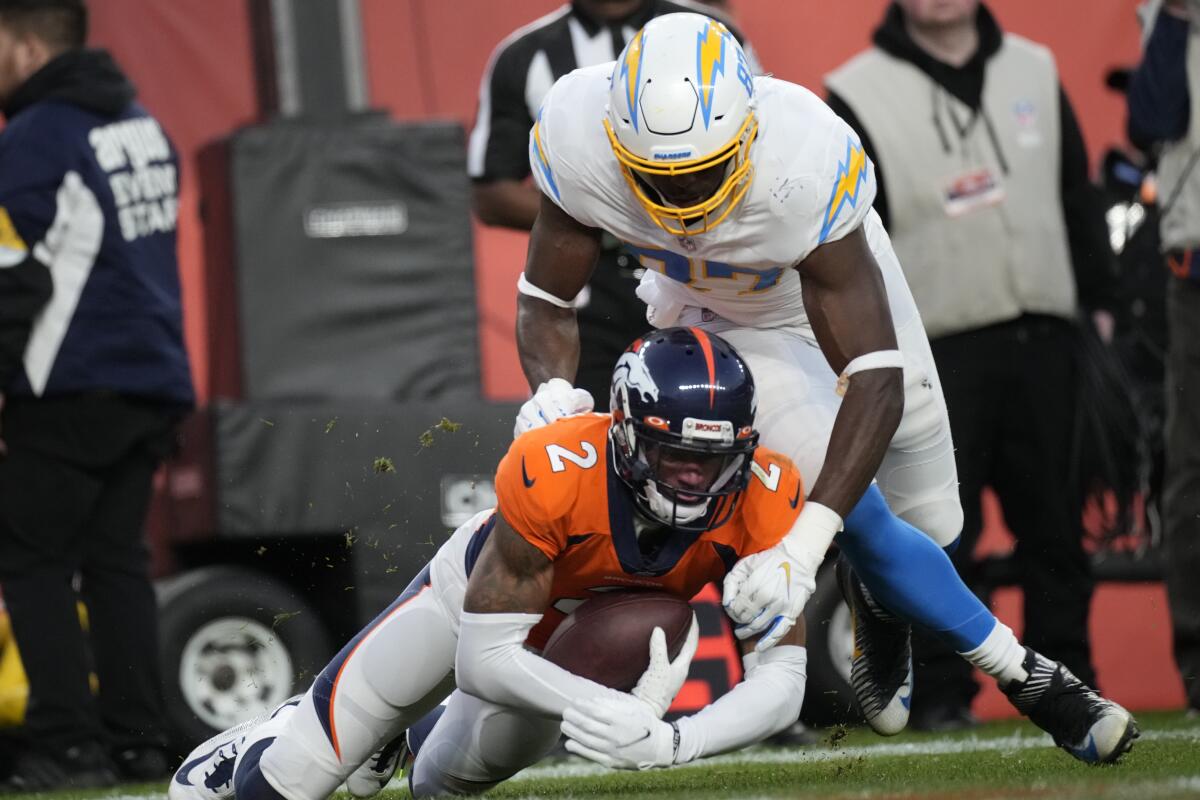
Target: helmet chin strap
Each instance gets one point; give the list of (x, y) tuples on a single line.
[(671, 511)]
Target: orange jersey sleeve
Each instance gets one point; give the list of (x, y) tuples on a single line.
[(545, 482), (773, 499)]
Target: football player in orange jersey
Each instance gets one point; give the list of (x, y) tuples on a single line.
[(668, 493)]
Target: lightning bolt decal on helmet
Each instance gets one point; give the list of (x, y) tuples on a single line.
[(681, 101)]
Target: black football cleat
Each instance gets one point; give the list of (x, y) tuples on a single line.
[(1094, 730), (881, 670)]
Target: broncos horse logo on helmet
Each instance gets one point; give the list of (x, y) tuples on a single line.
[(681, 395)]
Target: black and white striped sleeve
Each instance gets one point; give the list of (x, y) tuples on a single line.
[(498, 147)]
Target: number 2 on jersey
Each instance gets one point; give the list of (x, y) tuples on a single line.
[(585, 460), (769, 476)]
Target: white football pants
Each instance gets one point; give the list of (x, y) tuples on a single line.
[(393, 673), (797, 403)]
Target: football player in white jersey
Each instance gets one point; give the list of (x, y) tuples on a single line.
[(749, 202)]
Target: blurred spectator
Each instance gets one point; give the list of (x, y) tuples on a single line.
[(93, 379), (983, 185), (521, 70), (1162, 116)]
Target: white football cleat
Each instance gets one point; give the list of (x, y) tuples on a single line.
[(207, 772)]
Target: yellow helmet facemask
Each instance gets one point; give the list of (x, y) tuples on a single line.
[(704, 216)]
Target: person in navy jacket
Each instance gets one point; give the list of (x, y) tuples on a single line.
[(94, 379)]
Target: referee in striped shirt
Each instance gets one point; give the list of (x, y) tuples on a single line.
[(519, 73)]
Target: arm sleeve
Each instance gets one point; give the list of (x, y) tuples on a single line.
[(1092, 259), (765, 702), (491, 662), (1159, 106), (843, 110), (496, 150)]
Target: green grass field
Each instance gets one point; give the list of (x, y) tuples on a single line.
[(998, 760)]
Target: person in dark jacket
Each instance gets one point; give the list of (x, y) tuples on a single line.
[(1164, 117), (984, 190), (93, 381)]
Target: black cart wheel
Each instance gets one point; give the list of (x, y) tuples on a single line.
[(234, 643)]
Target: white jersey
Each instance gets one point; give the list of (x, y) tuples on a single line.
[(812, 184)]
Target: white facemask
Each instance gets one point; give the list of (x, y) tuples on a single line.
[(672, 512)]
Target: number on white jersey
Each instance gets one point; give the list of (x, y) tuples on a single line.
[(705, 275)]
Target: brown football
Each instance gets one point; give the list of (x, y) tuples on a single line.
[(607, 638)]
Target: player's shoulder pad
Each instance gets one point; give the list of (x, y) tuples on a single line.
[(545, 469), (823, 183), (848, 184), (568, 134), (774, 497)]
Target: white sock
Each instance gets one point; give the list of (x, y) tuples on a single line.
[(1000, 656)]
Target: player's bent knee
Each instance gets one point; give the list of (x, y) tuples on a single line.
[(941, 519), (433, 784)]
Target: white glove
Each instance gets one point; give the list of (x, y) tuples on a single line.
[(661, 310), (663, 679), (766, 592), (553, 400), (620, 733)]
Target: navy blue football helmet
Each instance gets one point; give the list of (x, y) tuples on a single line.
[(683, 436)]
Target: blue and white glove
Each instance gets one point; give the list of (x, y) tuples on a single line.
[(663, 678), (553, 400), (619, 732), (766, 592)]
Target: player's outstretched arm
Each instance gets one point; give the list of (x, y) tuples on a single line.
[(562, 255), (846, 301), (847, 304), (618, 734), (506, 595)]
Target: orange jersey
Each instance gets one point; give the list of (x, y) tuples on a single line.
[(558, 488)]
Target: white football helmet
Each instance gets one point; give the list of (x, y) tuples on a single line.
[(681, 103)]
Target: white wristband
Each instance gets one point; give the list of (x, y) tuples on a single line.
[(820, 517), (812, 532), (879, 359), (529, 290)]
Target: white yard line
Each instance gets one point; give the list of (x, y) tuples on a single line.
[(577, 767), (574, 767)]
